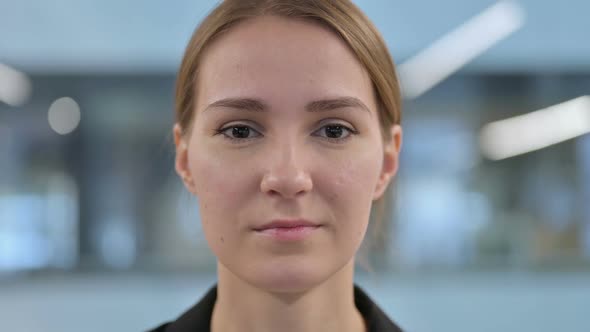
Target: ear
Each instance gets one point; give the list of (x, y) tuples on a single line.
[(181, 161), (391, 151)]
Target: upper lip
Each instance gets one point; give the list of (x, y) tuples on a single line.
[(285, 223)]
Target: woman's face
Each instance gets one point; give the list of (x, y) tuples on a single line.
[(285, 127)]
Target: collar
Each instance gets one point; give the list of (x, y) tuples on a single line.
[(198, 318)]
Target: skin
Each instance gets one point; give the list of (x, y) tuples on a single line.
[(287, 167)]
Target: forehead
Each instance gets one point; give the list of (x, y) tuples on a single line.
[(280, 58)]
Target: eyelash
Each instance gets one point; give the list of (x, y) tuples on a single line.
[(240, 140)]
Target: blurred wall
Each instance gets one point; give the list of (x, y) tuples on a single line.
[(70, 35)]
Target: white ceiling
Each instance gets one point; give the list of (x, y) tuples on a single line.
[(112, 35)]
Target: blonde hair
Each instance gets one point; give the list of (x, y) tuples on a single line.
[(340, 16)]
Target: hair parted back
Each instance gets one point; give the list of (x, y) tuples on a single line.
[(341, 16)]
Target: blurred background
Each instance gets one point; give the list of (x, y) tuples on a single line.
[(489, 222)]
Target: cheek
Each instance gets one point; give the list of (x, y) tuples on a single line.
[(349, 188), (222, 188), (353, 180), (217, 180)]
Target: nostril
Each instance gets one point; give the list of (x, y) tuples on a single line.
[(287, 184)]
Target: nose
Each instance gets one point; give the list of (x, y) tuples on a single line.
[(286, 176)]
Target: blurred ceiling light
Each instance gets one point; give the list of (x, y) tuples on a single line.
[(451, 52), (536, 130), (64, 115), (15, 87)]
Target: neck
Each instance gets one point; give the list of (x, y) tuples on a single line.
[(327, 307)]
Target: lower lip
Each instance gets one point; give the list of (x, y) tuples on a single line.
[(289, 233)]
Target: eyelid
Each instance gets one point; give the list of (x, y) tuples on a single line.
[(336, 122), (240, 123)]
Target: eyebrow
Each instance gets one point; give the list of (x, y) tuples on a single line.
[(256, 105)]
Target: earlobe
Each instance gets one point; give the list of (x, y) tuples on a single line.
[(380, 188), (181, 160)]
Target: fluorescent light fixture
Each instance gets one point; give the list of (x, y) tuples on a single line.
[(454, 50), (15, 87), (537, 130), (64, 115)]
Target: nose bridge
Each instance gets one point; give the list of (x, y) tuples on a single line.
[(287, 153), (287, 172)]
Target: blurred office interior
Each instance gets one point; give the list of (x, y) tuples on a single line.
[(489, 218)]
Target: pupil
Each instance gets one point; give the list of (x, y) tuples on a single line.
[(334, 131), (241, 132)]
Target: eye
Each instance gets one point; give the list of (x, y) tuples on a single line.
[(331, 132), (238, 133), (336, 132)]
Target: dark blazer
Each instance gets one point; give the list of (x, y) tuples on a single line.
[(198, 317)]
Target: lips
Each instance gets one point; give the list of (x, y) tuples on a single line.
[(286, 223)]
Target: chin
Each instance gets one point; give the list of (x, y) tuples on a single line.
[(288, 277)]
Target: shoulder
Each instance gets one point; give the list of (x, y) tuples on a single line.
[(197, 318), (376, 319), (161, 328)]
